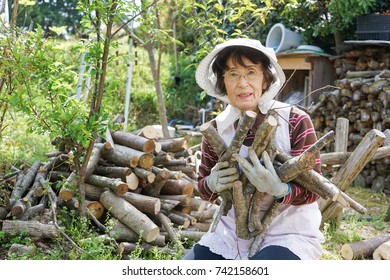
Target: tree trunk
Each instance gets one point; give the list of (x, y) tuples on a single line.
[(157, 85)]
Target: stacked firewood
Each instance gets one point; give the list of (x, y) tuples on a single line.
[(361, 97), (145, 184)]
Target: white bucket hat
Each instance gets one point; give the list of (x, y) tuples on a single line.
[(207, 80)]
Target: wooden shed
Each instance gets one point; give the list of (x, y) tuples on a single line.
[(307, 73)]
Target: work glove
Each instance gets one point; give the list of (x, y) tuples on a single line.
[(222, 177), (264, 178)]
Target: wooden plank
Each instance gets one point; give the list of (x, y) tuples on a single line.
[(292, 63)]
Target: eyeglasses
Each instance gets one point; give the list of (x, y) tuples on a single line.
[(251, 74)]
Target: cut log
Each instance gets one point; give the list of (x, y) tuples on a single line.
[(290, 169), (93, 192), (198, 204), (20, 188), (67, 190), (145, 204), (144, 160), (213, 138), (120, 232), (154, 188), (191, 235), (201, 226), (205, 215), (132, 181), (133, 141), (55, 162), (335, 158), (382, 252), (342, 132), (22, 250), (177, 187), (168, 204), (32, 212), (184, 199), (93, 160), (173, 145), (363, 249), (116, 185), (119, 158), (96, 208), (166, 223), (148, 132), (113, 171), (144, 174), (178, 220), (31, 228), (130, 216)]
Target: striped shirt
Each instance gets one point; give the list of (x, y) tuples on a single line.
[(302, 136)]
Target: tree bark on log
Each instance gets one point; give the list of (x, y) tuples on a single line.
[(122, 233), (363, 249), (22, 250), (113, 171), (154, 189), (119, 158), (22, 185), (116, 185), (184, 199), (165, 221), (93, 160), (382, 252), (177, 187), (144, 160), (144, 203), (144, 174), (67, 190), (173, 145), (335, 158), (31, 228), (130, 216), (342, 132), (93, 192), (290, 169), (133, 141)]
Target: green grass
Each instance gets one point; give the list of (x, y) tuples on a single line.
[(352, 226)]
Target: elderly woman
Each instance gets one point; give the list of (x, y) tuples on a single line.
[(245, 75)]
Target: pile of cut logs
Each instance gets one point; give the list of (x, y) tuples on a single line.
[(362, 98), (146, 183)]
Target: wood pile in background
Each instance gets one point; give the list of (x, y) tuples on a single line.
[(148, 185), (363, 99)]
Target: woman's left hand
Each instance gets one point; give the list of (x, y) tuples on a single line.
[(264, 178)]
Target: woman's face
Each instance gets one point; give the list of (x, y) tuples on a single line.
[(244, 84)]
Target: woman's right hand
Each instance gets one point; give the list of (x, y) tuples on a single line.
[(222, 177)]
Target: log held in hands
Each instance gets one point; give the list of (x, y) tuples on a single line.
[(225, 154)]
